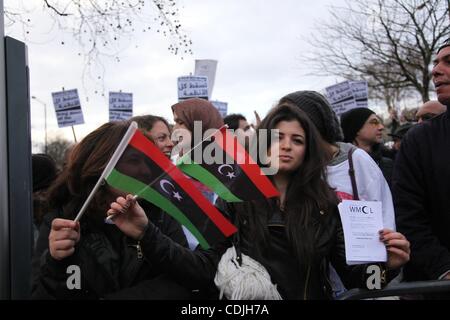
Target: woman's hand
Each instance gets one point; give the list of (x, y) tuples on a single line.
[(397, 247), (63, 237), (129, 216)]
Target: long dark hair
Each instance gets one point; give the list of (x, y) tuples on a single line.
[(85, 166), (309, 199)]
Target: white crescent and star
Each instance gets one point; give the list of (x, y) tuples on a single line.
[(230, 174), (175, 194)]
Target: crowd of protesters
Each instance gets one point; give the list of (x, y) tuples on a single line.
[(294, 243)]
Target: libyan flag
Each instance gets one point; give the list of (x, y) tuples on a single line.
[(143, 170), (233, 175)]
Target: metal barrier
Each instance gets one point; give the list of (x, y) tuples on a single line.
[(403, 288)]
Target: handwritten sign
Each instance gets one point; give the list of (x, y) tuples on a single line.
[(347, 95), (344, 106), (120, 106), (222, 107), (67, 108), (192, 87), (360, 93), (339, 92), (207, 68)]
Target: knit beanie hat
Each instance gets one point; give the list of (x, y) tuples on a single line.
[(319, 112), (44, 171), (352, 121)]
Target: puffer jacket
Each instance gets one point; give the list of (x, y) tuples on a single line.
[(111, 265), (196, 269)]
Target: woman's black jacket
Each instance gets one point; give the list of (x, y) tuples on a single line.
[(197, 269), (111, 267)]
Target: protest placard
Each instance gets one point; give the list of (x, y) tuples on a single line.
[(67, 108), (347, 95), (360, 93), (222, 107), (339, 92), (120, 106), (192, 87), (207, 68)]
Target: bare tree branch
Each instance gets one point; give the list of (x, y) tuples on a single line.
[(103, 29), (62, 14), (389, 43)]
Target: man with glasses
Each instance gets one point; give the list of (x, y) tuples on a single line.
[(428, 110), (421, 185), (363, 128)]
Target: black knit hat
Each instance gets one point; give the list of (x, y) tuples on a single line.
[(352, 121), (44, 171), (319, 112)]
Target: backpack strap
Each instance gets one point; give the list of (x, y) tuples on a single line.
[(351, 172)]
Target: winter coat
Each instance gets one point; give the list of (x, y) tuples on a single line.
[(110, 264)]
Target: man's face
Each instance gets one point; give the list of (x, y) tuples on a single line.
[(244, 133), (372, 131), (243, 124), (429, 110), (441, 75)]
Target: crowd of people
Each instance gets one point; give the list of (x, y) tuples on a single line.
[(293, 243)]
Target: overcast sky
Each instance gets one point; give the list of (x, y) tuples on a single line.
[(257, 45)]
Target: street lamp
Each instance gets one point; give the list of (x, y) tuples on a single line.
[(45, 118)]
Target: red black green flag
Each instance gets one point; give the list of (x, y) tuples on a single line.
[(235, 177), (144, 170)]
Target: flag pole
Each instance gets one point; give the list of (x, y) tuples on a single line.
[(74, 136), (166, 172), (111, 164)]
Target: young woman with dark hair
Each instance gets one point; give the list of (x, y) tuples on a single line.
[(293, 237), (111, 264)]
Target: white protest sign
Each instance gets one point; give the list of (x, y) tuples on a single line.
[(339, 92), (222, 107), (361, 222), (120, 106), (344, 106), (207, 68), (68, 108), (192, 87), (342, 97), (360, 93)]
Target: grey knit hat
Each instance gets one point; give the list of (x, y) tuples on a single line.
[(319, 112)]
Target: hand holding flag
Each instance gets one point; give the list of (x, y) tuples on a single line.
[(129, 216)]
